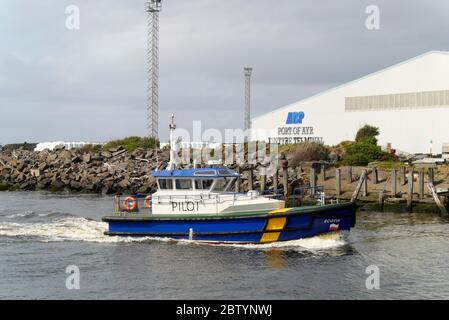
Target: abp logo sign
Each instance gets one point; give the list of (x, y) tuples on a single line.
[(295, 117)]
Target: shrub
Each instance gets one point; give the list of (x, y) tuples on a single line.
[(132, 143), (89, 148), (363, 152), (367, 132), (309, 151)]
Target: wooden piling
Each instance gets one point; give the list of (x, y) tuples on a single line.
[(263, 180), (381, 200), (323, 172), (431, 176), (394, 183), (365, 184), (312, 181), (437, 199), (239, 181), (251, 178), (402, 175), (355, 195), (421, 184), (338, 182), (285, 181), (410, 190), (375, 176), (349, 173), (275, 179)]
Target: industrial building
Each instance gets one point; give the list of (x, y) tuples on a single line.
[(409, 102)]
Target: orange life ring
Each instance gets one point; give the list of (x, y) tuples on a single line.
[(130, 204), (147, 202)]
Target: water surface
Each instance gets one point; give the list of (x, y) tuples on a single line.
[(43, 233)]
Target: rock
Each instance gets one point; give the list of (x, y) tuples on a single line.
[(43, 166), (76, 159), (106, 154), (65, 155), (87, 157), (59, 147), (52, 157), (124, 184), (25, 186), (75, 185), (35, 173)]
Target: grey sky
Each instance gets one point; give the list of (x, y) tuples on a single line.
[(90, 84)]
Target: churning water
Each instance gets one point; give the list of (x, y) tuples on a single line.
[(43, 233)]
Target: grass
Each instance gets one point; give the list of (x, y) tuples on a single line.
[(129, 143), (4, 187), (390, 164), (132, 143)]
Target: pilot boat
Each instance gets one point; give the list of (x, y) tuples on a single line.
[(200, 204)]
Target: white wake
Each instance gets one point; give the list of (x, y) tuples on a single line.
[(81, 229)]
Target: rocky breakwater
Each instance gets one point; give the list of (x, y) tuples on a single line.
[(108, 171)]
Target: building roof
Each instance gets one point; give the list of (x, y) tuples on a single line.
[(354, 81), (195, 173)]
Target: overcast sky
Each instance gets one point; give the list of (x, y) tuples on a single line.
[(90, 84)]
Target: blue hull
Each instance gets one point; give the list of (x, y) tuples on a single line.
[(262, 227)]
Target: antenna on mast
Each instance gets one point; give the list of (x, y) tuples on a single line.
[(172, 127)]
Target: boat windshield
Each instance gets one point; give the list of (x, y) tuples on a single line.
[(203, 184), (223, 184)]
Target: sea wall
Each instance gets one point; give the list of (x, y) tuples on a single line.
[(111, 171)]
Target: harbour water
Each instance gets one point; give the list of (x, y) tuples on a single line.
[(41, 234)]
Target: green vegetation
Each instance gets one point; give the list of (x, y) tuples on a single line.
[(309, 151), (132, 143), (367, 132), (4, 187), (365, 149), (129, 143), (89, 148)]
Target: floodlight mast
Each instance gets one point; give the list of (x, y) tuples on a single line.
[(153, 7)]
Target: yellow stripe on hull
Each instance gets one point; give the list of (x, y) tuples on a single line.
[(274, 224), (270, 237)]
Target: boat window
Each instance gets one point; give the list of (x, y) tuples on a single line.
[(183, 184), (231, 185), (203, 184), (165, 184), (220, 184), (224, 172), (205, 173)]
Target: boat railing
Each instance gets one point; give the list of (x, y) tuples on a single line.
[(315, 194), (142, 203)]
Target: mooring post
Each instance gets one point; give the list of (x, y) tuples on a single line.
[(312, 180), (338, 182), (381, 200), (431, 176), (355, 195), (394, 183), (421, 184), (284, 163), (275, 180), (349, 174), (365, 184), (263, 179), (410, 190), (239, 180), (375, 176), (402, 175), (323, 172), (250, 178), (437, 199)]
